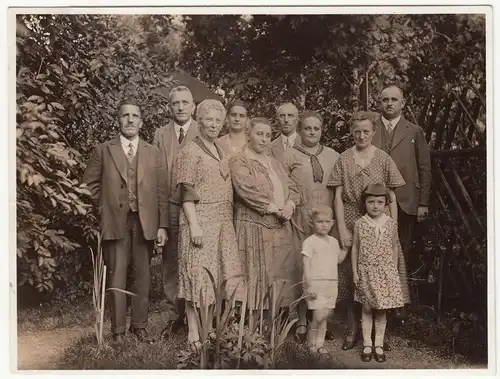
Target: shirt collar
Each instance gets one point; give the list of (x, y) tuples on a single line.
[(126, 142), (291, 138), (393, 122), (184, 127)]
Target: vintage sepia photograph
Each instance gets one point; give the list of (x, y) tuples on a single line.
[(251, 188)]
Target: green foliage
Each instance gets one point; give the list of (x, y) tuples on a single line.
[(330, 63), (72, 71)]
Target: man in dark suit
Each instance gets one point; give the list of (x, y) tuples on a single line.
[(287, 116), (126, 178), (406, 144), (170, 139)]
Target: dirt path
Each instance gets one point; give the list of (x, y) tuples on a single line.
[(43, 349), (402, 356)]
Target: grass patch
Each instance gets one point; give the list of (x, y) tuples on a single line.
[(85, 355), (63, 313), (56, 314)]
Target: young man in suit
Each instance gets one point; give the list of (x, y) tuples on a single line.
[(126, 177), (287, 116), (170, 139), (406, 144)]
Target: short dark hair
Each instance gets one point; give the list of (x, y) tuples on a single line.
[(393, 85), (259, 120), (363, 116), (129, 101), (235, 103), (308, 114)]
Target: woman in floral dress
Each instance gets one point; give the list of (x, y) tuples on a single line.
[(206, 233), (357, 167), (265, 200), (309, 165)]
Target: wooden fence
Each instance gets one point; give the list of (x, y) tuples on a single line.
[(454, 126)]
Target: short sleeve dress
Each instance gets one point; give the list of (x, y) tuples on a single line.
[(354, 179), (378, 279), (205, 179), (324, 256)]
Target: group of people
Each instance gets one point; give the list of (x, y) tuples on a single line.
[(256, 213)]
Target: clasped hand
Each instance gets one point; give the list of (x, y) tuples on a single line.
[(287, 211)]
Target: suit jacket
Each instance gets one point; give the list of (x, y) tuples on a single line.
[(277, 149), (166, 140), (106, 177), (410, 152)]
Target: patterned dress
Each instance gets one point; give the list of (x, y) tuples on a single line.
[(312, 193), (205, 179), (323, 271), (354, 179), (263, 238), (378, 279)]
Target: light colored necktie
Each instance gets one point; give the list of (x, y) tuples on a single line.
[(130, 154), (287, 144), (390, 127), (181, 135)]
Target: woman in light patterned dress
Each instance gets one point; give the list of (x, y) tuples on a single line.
[(357, 167), (206, 231), (309, 165), (265, 199), (237, 122)]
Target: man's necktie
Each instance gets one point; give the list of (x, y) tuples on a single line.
[(181, 135), (130, 154), (390, 127), (287, 144)]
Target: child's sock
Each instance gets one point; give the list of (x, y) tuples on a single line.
[(311, 335), (320, 335), (380, 323), (366, 326)]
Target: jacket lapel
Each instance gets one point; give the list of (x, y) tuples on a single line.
[(278, 149), (191, 133), (142, 157), (298, 141), (377, 137), (168, 143), (399, 132), (116, 151)]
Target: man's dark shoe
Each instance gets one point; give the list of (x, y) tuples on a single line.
[(118, 337), (329, 336), (386, 346), (400, 316), (141, 334)]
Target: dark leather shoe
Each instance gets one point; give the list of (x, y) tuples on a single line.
[(349, 343), (367, 357), (141, 334), (118, 337), (329, 336), (301, 337), (380, 358), (387, 347), (400, 316)]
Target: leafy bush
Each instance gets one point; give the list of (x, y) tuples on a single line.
[(72, 71)]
